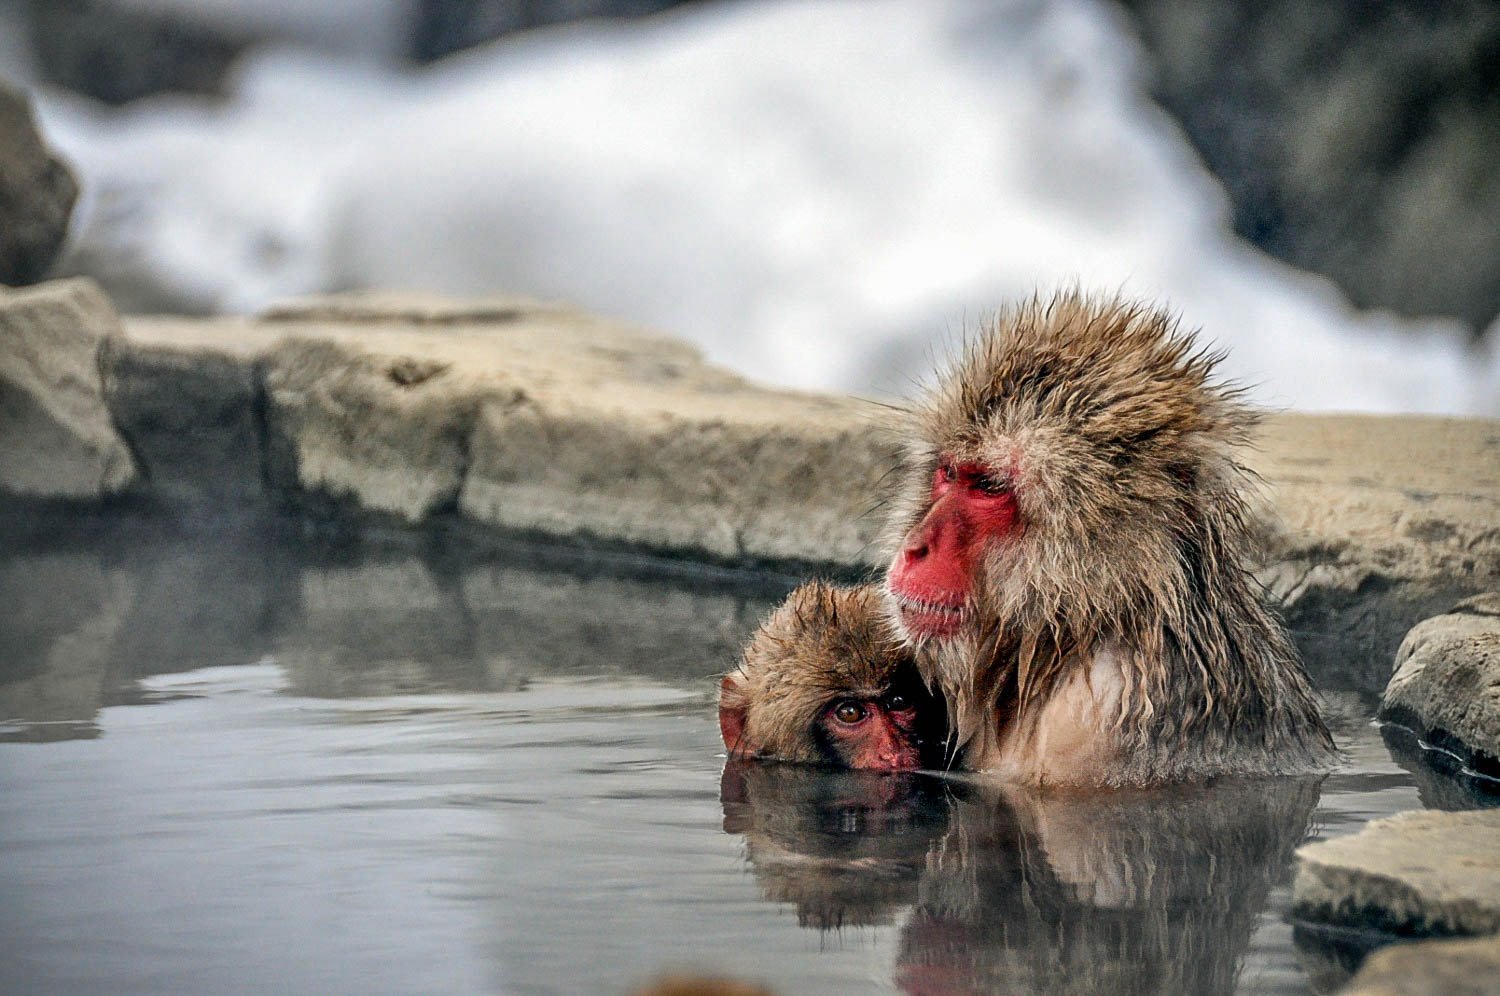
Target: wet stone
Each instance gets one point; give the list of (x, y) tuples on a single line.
[(1414, 874), (1446, 688)]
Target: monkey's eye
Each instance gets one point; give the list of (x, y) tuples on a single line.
[(896, 702), (989, 485), (849, 712)]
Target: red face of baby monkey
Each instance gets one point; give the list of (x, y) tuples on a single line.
[(932, 575), (826, 681)]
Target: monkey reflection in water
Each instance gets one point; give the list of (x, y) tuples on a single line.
[(1005, 889), (996, 887)]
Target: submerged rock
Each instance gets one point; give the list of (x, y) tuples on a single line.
[(1415, 874), (57, 439), (1446, 687), (36, 194)]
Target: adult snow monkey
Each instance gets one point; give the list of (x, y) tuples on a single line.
[(1069, 558)]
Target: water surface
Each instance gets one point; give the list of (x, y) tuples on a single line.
[(236, 763)]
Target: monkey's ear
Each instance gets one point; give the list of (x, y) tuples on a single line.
[(734, 709)]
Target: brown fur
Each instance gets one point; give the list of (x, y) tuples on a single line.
[(823, 643), (1133, 544)]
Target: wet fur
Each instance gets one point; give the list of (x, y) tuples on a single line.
[(823, 643), (1133, 550)]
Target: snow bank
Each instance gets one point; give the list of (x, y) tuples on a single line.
[(820, 194)]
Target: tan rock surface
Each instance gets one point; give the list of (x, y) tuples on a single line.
[(56, 435), (535, 418), (1378, 522), (1421, 872), (1468, 967), (1416, 495)]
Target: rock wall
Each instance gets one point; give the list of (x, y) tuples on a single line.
[(509, 417)]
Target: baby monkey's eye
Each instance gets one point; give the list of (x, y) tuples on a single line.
[(849, 712), (896, 702)]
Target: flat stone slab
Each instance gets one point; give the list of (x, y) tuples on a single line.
[(1446, 687), (1430, 968), (532, 417), (1419, 873)]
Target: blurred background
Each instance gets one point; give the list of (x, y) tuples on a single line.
[(819, 194)]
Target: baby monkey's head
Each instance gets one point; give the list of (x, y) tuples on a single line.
[(826, 680)]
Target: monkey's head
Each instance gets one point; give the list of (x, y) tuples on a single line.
[(1059, 475), (825, 680)]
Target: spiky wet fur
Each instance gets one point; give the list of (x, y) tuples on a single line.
[(823, 643), (1120, 448)]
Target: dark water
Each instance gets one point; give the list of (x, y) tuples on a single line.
[(237, 764)]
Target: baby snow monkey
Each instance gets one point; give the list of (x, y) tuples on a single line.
[(826, 680)]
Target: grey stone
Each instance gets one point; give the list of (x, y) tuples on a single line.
[(1417, 873), (382, 429), (1446, 687), (406, 307), (36, 194), (191, 417), (1469, 967), (537, 418), (56, 436)]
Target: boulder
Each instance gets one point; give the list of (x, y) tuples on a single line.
[(1431, 968), (36, 194), (370, 423), (1418, 873), (1446, 688), (57, 439)]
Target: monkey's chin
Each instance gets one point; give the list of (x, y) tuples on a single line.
[(925, 622)]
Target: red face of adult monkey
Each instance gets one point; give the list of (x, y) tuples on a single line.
[(826, 681), (1070, 558)]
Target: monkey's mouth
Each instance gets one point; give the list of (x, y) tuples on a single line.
[(925, 620)]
